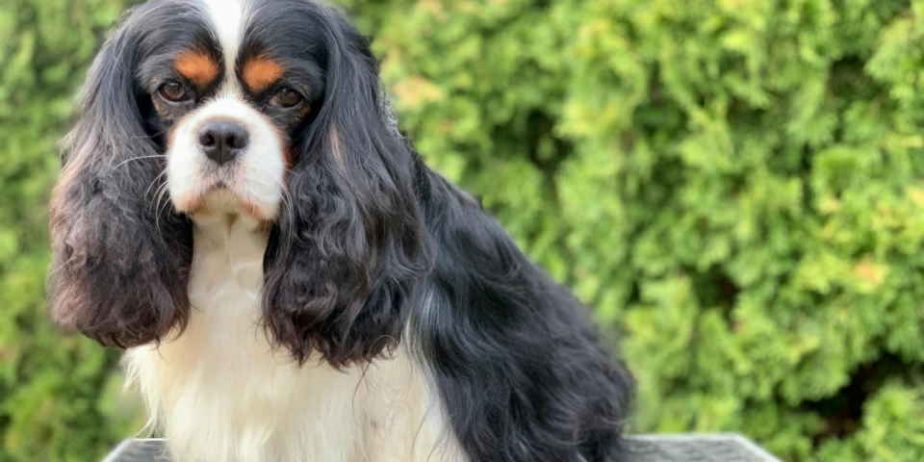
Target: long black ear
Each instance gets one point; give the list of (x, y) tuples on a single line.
[(349, 248), (121, 257)]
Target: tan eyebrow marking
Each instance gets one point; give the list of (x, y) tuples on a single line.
[(198, 67), (261, 73)]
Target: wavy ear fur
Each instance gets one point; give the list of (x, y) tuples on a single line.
[(121, 257), (349, 248)]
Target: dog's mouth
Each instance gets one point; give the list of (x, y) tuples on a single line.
[(221, 197)]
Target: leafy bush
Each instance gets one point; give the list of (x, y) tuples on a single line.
[(733, 184), (53, 390)]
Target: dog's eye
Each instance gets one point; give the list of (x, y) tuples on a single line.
[(174, 91), (287, 98)]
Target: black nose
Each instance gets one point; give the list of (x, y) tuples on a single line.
[(223, 141)]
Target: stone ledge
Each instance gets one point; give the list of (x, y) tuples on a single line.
[(725, 447)]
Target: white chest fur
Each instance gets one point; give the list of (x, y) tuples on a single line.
[(220, 393)]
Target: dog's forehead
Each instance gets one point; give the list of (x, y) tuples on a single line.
[(228, 20), (232, 47), (206, 41)]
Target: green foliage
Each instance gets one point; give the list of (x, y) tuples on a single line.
[(735, 185), (51, 388)]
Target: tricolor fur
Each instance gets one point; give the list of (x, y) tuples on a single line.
[(292, 283)]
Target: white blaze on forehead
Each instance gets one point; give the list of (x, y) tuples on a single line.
[(229, 22)]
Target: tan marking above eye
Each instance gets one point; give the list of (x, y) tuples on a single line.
[(261, 73), (197, 67)]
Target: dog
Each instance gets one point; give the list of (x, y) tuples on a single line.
[(238, 210)]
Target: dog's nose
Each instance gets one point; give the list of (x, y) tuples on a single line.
[(222, 141)]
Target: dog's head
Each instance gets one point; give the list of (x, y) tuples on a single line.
[(266, 108)]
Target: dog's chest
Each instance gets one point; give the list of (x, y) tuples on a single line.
[(222, 394)]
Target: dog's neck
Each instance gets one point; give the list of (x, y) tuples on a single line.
[(228, 247), (233, 238), (227, 269)]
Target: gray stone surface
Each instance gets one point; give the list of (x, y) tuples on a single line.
[(643, 448), (696, 448), (140, 450)]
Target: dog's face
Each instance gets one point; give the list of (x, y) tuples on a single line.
[(231, 87), (269, 108)]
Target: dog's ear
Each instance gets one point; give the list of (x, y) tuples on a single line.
[(121, 254), (348, 248)]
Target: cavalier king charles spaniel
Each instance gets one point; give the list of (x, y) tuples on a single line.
[(238, 210)]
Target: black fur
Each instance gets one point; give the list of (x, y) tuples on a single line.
[(521, 372), (121, 256), (371, 249), (346, 256)]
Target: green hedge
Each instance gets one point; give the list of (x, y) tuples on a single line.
[(734, 184), (52, 404)]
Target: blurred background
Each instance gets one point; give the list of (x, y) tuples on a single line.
[(735, 186)]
